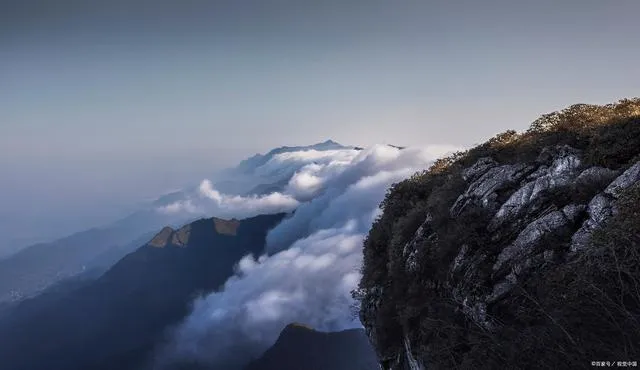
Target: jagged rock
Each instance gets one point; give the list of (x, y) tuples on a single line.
[(560, 173), (168, 237), (412, 362), (541, 171), (595, 175), (479, 168), (599, 209), (476, 311), (602, 206), (624, 181), (458, 261), (550, 154), (532, 233), (181, 237), (410, 250), (483, 190), (162, 238), (502, 288), (489, 280)]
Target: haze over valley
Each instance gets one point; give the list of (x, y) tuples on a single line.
[(335, 185)]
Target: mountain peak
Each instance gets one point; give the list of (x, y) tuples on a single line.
[(169, 236), (258, 160), (162, 238), (329, 141), (328, 144), (296, 326), (180, 238)]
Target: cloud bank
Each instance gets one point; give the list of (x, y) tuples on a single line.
[(312, 259)]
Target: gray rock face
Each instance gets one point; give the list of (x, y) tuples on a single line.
[(561, 172), (602, 206), (462, 255), (551, 153), (475, 309), (535, 231), (502, 288), (369, 305), (483, 190), (478, 278), (599, 209), (410, 250), (479, 168), (596, 174), (412, 362), (624, 181)]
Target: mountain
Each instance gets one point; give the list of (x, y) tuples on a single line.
[(251, 177), (115, 321), (520, 253), (250, 164), (34, 268), (300, 347)]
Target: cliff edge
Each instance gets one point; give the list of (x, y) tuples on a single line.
[(521, 253)]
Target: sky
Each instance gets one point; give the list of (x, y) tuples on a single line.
[(104, 103)]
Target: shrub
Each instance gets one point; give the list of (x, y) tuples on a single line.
[(568, 314)]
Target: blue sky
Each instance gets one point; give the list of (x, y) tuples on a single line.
[(105, 102)]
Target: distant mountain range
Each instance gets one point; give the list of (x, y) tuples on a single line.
[(33, 269), (242, 179), (107, 298), (250, 164), (114, 322)]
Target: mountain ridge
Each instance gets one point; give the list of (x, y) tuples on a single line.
[(118, 319), (509, 254), (33, 268)]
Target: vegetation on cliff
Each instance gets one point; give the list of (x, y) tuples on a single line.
[(433, 252)]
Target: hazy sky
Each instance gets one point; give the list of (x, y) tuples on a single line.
[(104, 102)]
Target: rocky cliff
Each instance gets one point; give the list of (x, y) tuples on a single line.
[(523, 252)]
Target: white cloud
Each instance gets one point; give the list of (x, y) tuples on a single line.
[(209, 201), (315, 255)]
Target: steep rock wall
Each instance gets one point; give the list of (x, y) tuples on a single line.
[(489, 258)]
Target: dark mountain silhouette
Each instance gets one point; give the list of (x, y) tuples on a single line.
[(115, 321), (300, 347), (33, 269)]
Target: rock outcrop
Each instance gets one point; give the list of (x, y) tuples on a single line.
[(483, 191), (502, 223)]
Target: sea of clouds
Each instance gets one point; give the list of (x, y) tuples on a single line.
[(312, 259)]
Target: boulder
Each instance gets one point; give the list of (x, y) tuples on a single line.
[(483, 190)]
